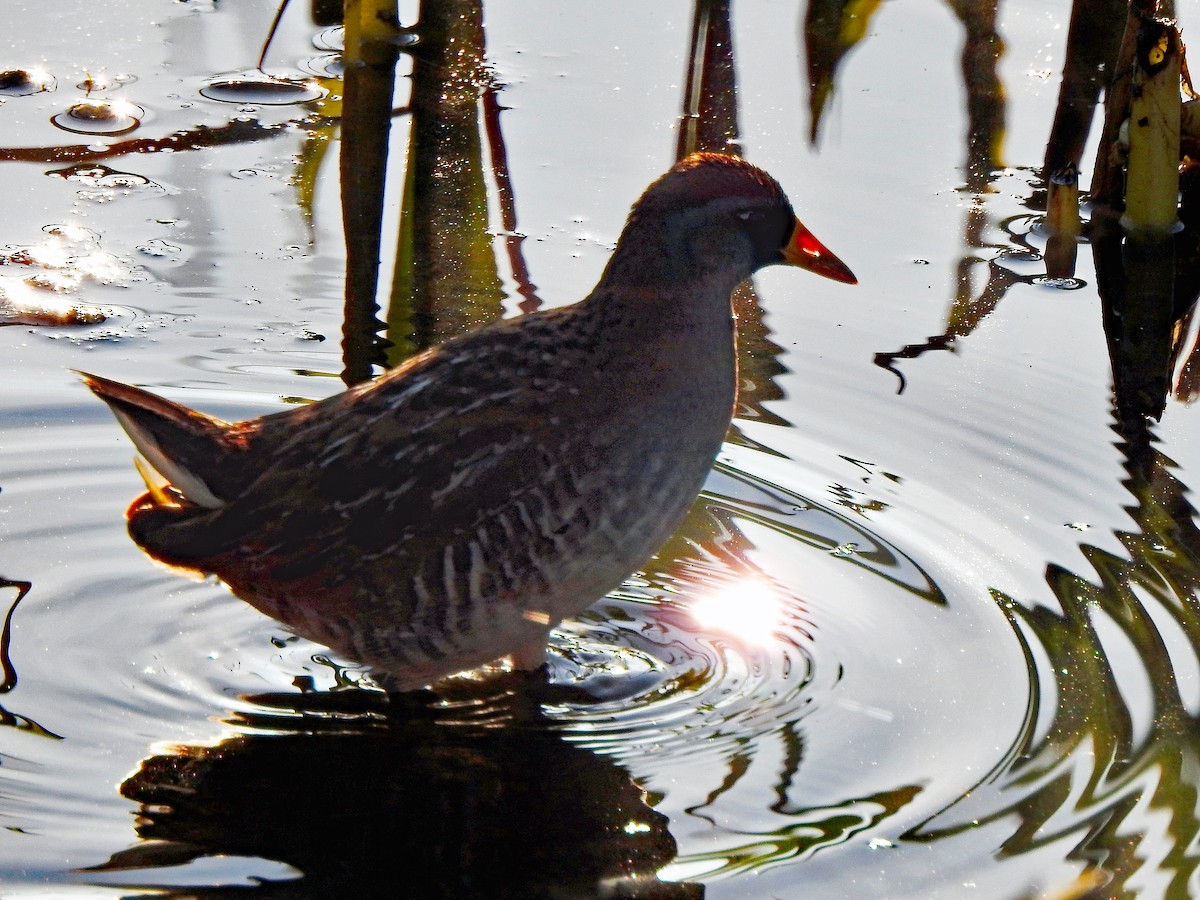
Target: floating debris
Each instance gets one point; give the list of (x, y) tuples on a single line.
[(23, 82), (104, 82), (100, 117), (31, 302), (160, 249), (37, 288)]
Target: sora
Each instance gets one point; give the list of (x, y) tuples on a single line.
[(454, 510)]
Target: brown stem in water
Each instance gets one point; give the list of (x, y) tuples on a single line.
[(366, 123)]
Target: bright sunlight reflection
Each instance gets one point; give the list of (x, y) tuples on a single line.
[(748, 610)]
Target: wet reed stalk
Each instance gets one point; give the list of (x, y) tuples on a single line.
[(1107, 181), (1152, 175), (1062, 222), (1189, 126), (1092, 46)]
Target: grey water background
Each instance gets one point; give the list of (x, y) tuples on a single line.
[(979, 674)]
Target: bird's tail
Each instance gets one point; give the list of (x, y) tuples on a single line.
[(191, 450)]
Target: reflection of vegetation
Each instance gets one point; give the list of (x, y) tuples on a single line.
[(745, 497), (1146, 336), (446, 279), (1113, 728), (12, 720), (985, 92), (969, 308), (712, 546), (369, 83), (806, 832), (832, 28), (1106, 750), (1135, 277), (984, 140), (236, 132), (1147, 275), (1092, 42), (10, 674), (709, 122)]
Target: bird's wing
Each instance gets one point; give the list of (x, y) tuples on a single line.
[(418, 457)]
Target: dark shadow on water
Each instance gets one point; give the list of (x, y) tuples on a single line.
[(469, 793)]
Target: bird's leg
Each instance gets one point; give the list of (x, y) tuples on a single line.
[(530, 657)]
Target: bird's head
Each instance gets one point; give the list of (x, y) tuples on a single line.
[(717, 213)]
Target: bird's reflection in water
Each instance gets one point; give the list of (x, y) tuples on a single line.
[(467, 793)]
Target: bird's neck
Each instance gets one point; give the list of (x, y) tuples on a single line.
[(688, 311), (677, 340), (655, 257)]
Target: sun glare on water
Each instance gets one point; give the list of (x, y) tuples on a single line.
[(749, 611)]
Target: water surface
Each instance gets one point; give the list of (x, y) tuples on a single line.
[(962, 657)]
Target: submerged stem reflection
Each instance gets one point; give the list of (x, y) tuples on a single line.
[(10, 719), (1088, 768)]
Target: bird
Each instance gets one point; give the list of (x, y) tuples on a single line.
[(451, 512)]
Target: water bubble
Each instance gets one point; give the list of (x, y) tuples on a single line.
[(335, 38), (259, 87), (844, 550), (159, 249), (329, 65), (330, 39), (101, 184), (1061, 284)]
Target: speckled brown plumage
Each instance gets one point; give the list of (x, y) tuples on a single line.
[(452, 511)]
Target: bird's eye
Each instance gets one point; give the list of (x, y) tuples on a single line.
[(748, 215)]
